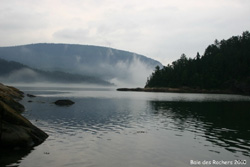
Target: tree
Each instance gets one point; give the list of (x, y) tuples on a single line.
[(223, 64), (198, 56)]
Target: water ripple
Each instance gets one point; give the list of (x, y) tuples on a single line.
[(138, 129)]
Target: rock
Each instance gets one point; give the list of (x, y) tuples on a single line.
[(10, 92), (64, 102), (15, 130), (9, 95), (30, 95)]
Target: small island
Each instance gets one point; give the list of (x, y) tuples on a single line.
[(176, 90)]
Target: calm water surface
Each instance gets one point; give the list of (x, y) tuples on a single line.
[(107, 128)]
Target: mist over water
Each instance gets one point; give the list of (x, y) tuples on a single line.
[(44, 62), (24, 75), (122, 74), (132, 75)]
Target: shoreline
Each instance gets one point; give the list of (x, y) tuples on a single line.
[(179, 90), (16, 132)]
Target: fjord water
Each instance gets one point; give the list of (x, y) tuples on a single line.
[(109, 128)]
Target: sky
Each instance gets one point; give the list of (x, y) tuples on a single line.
[(159, 29)]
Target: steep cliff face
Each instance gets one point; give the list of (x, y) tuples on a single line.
[(15, 130)]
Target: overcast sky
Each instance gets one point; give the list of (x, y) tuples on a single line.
[(160, 29)]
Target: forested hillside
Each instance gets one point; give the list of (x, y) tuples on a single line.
[(225, 65), (104, 63), (14, 72)]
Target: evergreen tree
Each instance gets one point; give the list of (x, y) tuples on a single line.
[(224, 65)]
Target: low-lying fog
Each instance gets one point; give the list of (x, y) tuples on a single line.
[(122, 74), (69, 63)]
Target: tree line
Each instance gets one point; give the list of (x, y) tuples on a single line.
[(224, 65)]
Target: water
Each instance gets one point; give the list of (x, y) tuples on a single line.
[(108, 128)]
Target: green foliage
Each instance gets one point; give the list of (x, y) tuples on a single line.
[(224, 64)]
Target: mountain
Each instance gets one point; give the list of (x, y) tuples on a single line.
[(102, 62), (13, 72), (224, 66)]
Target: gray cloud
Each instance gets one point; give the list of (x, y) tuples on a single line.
[(75, 34), (162, 30)]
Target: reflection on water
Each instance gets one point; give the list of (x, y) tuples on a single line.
[(108, 128), (8, 157), (226, 124)]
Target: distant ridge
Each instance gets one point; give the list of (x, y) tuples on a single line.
[(14, 72), (102, 62)]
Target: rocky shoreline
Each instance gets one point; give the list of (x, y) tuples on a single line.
[(15, 130), (177, 90)]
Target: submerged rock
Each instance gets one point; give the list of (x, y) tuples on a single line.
[(30, 95), (64, 102), (15, 130)]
